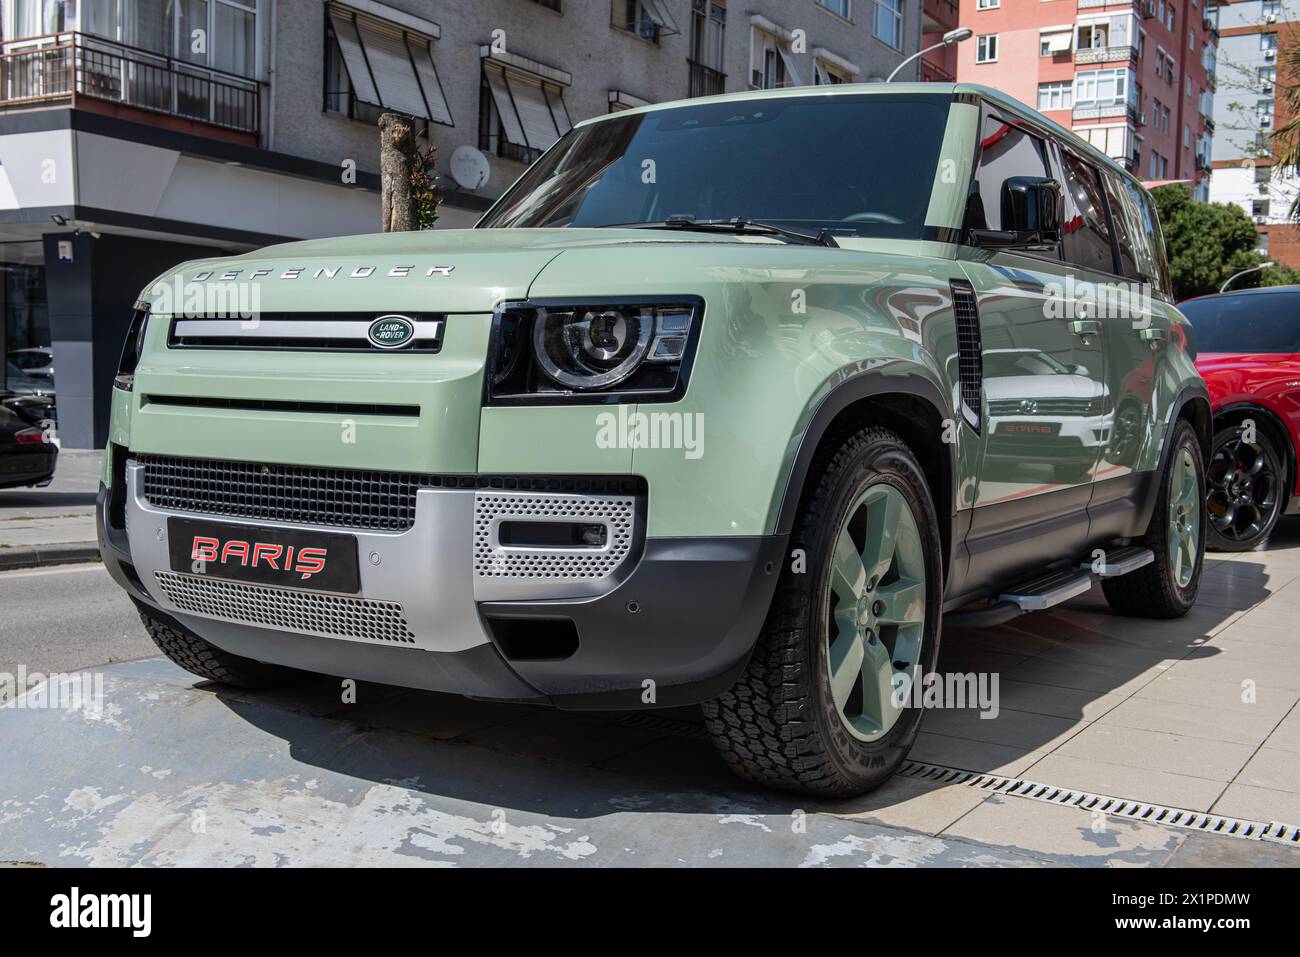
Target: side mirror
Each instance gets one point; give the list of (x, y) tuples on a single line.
[(1031, 215)]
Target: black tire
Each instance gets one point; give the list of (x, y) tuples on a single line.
[(1152, 590), (1242, 512), (206, 660), (778, 726)]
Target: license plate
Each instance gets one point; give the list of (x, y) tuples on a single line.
[(267, 556), (1029, 428)]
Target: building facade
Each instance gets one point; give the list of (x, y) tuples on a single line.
[(1134, 78), (1249, 105), (138, 133)]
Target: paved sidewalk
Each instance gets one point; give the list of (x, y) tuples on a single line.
[(54, 524)]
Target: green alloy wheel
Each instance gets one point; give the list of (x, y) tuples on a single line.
[(1184, 517), (876, 609)]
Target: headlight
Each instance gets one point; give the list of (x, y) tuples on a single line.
[(132, 348), (592, 350)]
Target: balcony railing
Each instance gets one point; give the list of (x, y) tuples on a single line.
[(1120, 53), (71, 65), (706, 81)]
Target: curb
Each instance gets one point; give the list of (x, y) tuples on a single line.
[(37, 556)]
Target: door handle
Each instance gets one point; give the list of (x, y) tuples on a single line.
[(1085, 327)]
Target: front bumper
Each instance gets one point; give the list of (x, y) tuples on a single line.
[(673, 625)]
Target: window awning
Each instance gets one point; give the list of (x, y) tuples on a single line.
[(1058, 40), (657, 11), (389, 65), (529, 96)]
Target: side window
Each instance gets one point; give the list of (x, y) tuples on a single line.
[(1085, 232), (1151, 226), (1136, 237), (1005, 151)]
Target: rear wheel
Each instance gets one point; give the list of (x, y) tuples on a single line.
[(206, 660), (821, 706), (1245, 484), (1167, 587)]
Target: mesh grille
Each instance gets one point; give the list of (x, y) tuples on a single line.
[(306, 495), (492, 561), (1040, 407), (970, 367), (302, 612)]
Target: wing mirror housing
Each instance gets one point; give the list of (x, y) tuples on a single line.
[(1031, 213)]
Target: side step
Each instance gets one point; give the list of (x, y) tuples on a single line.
[(1048, 590), (1120, 561), (1051, 588)]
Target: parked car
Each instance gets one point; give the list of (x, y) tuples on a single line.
[(35, 361), (677, 422), (1248, 350), (28, 456), (23, 383)]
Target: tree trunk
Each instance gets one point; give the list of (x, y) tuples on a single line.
[(396, 163)]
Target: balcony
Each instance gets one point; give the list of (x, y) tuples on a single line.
[(1114, 54), (1104, 111), (68, 66), (705, 81)]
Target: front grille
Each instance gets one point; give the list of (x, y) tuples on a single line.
[(298, 612), (1039, 406), (284, 493), (301, 332), (342, 498)]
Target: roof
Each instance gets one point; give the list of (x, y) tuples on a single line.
[(1255, 291)]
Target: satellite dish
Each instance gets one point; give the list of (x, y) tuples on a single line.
[(469, 168)]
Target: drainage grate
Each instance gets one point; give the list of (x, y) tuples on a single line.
[(1121, 807)]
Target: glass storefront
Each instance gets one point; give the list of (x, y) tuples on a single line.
[(26, 339)]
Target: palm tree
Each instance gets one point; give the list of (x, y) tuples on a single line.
[(1287, 136)]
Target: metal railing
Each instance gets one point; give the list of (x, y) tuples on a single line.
[(705, 81), (69, 65)]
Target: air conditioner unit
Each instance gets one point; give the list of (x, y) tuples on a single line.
[(1270, 54), (1271, 18), (1267, 89), (1142, 119), (1262, 220)]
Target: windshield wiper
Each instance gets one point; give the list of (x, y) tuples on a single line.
[(738, 225)]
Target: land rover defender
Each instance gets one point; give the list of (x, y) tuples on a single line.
[(726, 402)]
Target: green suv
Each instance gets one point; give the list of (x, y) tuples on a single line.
[(726, 402)]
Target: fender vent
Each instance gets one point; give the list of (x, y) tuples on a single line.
[(970, 367)]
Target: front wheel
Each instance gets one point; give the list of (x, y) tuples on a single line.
[(1167, 587), (1245, 487), (822, 707)]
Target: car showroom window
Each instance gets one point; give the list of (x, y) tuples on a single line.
[(1005, 151), (1086, 239)]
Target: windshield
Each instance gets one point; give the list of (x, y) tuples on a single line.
[(1259, 322), (856, 165)]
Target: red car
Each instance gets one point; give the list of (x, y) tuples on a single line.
[(1248, 349)]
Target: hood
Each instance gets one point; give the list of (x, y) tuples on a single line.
[(453, 271), (1042, 387)]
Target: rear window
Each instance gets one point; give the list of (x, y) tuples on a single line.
[(1261, 322)]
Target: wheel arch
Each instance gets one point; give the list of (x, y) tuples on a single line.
[(1191, 404), (910, 405)]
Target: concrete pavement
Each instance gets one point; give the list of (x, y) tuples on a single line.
[(1198, 714)]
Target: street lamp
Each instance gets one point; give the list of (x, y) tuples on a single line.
[(1224, 287), (949, 38)]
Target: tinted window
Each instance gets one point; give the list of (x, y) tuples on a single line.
[(1259, 322), (1005, 151), (1085, 233), (805, 163)]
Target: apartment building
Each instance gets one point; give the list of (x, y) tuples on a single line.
[(1249, 105), (937, 18), (138, 133), (1134, 78)]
